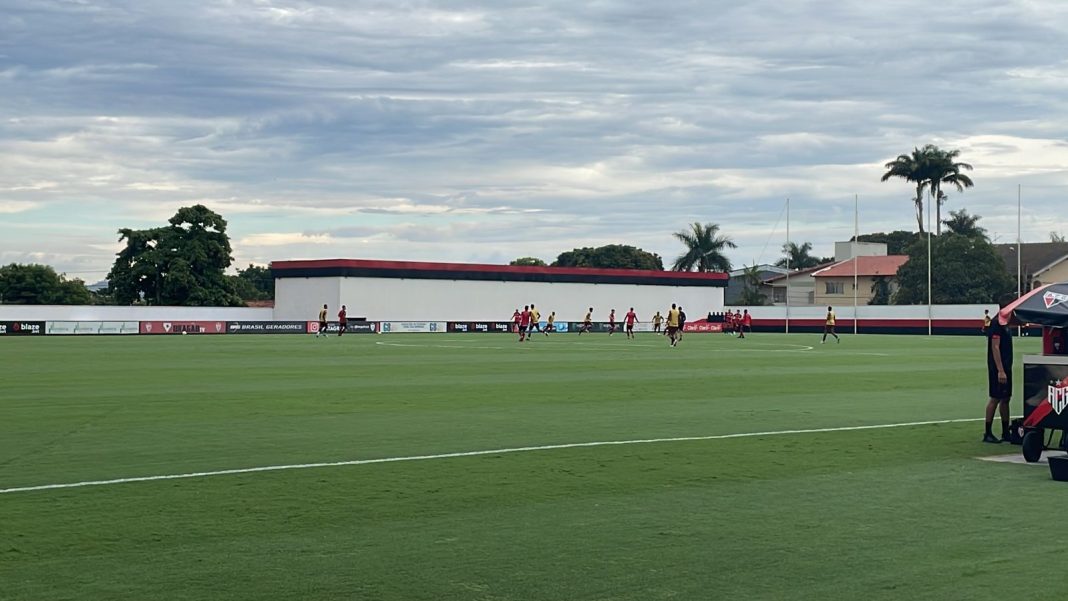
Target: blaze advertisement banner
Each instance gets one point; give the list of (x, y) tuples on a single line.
[(267, 327), (480, 327), (183, 327), (22, 328)]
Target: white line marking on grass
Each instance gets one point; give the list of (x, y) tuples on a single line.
[(549, 447)]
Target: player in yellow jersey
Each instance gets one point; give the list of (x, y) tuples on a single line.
[(657, 320), (986, 320), (673, 325), (587, 322), (551, 325), (828, 326), (323, 325), (535, 321)]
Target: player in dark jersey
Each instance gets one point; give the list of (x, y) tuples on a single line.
[(342, 320), (524, 323), (999, 373), (612, 322), (682, 322)]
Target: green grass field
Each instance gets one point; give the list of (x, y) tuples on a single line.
[(859, 514)]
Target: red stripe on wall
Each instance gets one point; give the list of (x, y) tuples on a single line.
[(478, 267)]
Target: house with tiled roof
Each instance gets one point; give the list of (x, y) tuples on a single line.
[(1040, 262), (834, 285)]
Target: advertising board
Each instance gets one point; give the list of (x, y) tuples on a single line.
[(702, 327), (354, 327), (183, 327), (22, 328), (267, 327), (479, 327), (409, 327), (90, 328)]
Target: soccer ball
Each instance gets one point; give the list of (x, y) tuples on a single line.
[(184, 333)]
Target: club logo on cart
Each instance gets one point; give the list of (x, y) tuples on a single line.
[(1058, 397), (1052, 299)]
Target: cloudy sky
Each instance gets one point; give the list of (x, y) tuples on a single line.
[(482, 131)]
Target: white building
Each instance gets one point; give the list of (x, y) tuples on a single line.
[(413, 291)]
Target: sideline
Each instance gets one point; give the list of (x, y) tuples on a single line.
[(550, 447)]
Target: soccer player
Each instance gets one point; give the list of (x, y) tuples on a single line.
[(673, 325), (629, 319), (524, 323), (682, 322), (986, 320), (612, 322), (551, 326), (587, 322), (828, 326), (342, 320), (535, 321), (323, 325), (515, 321), (999, 373), (657, 319), (747, 321)]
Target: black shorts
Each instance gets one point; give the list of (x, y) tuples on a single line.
[(828, 329), (999, 391), (672, 329), (323, 326)]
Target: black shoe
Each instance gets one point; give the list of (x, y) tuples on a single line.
[(991, 439)]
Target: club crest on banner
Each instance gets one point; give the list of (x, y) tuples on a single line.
[(1058, 396), (1052, 299)]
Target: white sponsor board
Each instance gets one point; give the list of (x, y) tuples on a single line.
[(409, 327), (91, 327)]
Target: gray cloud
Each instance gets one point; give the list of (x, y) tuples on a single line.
[(472, 130)]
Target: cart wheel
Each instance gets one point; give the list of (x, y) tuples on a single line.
[(1032, 446)]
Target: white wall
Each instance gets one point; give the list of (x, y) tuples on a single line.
[(136, 313), (300, 299), (394, 299)]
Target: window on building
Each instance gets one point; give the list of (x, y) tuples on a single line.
[(778, 295), (835, 288)]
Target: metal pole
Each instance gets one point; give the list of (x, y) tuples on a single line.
[(930, 293), (1019, 241), (856, 259), (787, 265)]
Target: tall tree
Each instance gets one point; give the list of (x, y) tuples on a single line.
[(913, 169), (966, 270), (943, 168), (751, 281), (798, 257), (1056, 237), (961, 223), (611, 256), (178, 264), (254, 283), (897, 242), (881, 290), (528, 262), (40, 285), (704, 249)]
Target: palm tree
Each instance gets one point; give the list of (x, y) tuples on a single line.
[(912, 168), (797, 257), (751, 281), (960, 222), (704, 249), (943, 169)]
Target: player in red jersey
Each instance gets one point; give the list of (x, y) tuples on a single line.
[(515, 321), (629, 319), (612, 322), (747, 321), (342, 320), (524, 323), (738, 325)]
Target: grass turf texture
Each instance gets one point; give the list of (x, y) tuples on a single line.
[(871, 514)]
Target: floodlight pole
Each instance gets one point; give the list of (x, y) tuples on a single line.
[(856, 241), (930, 293), (1019, 248), (788, 265)]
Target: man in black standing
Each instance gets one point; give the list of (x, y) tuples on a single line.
[(999, 373), (682, 321)]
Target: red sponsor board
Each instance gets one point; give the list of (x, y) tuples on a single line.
[(702, 326), (183, 327)]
